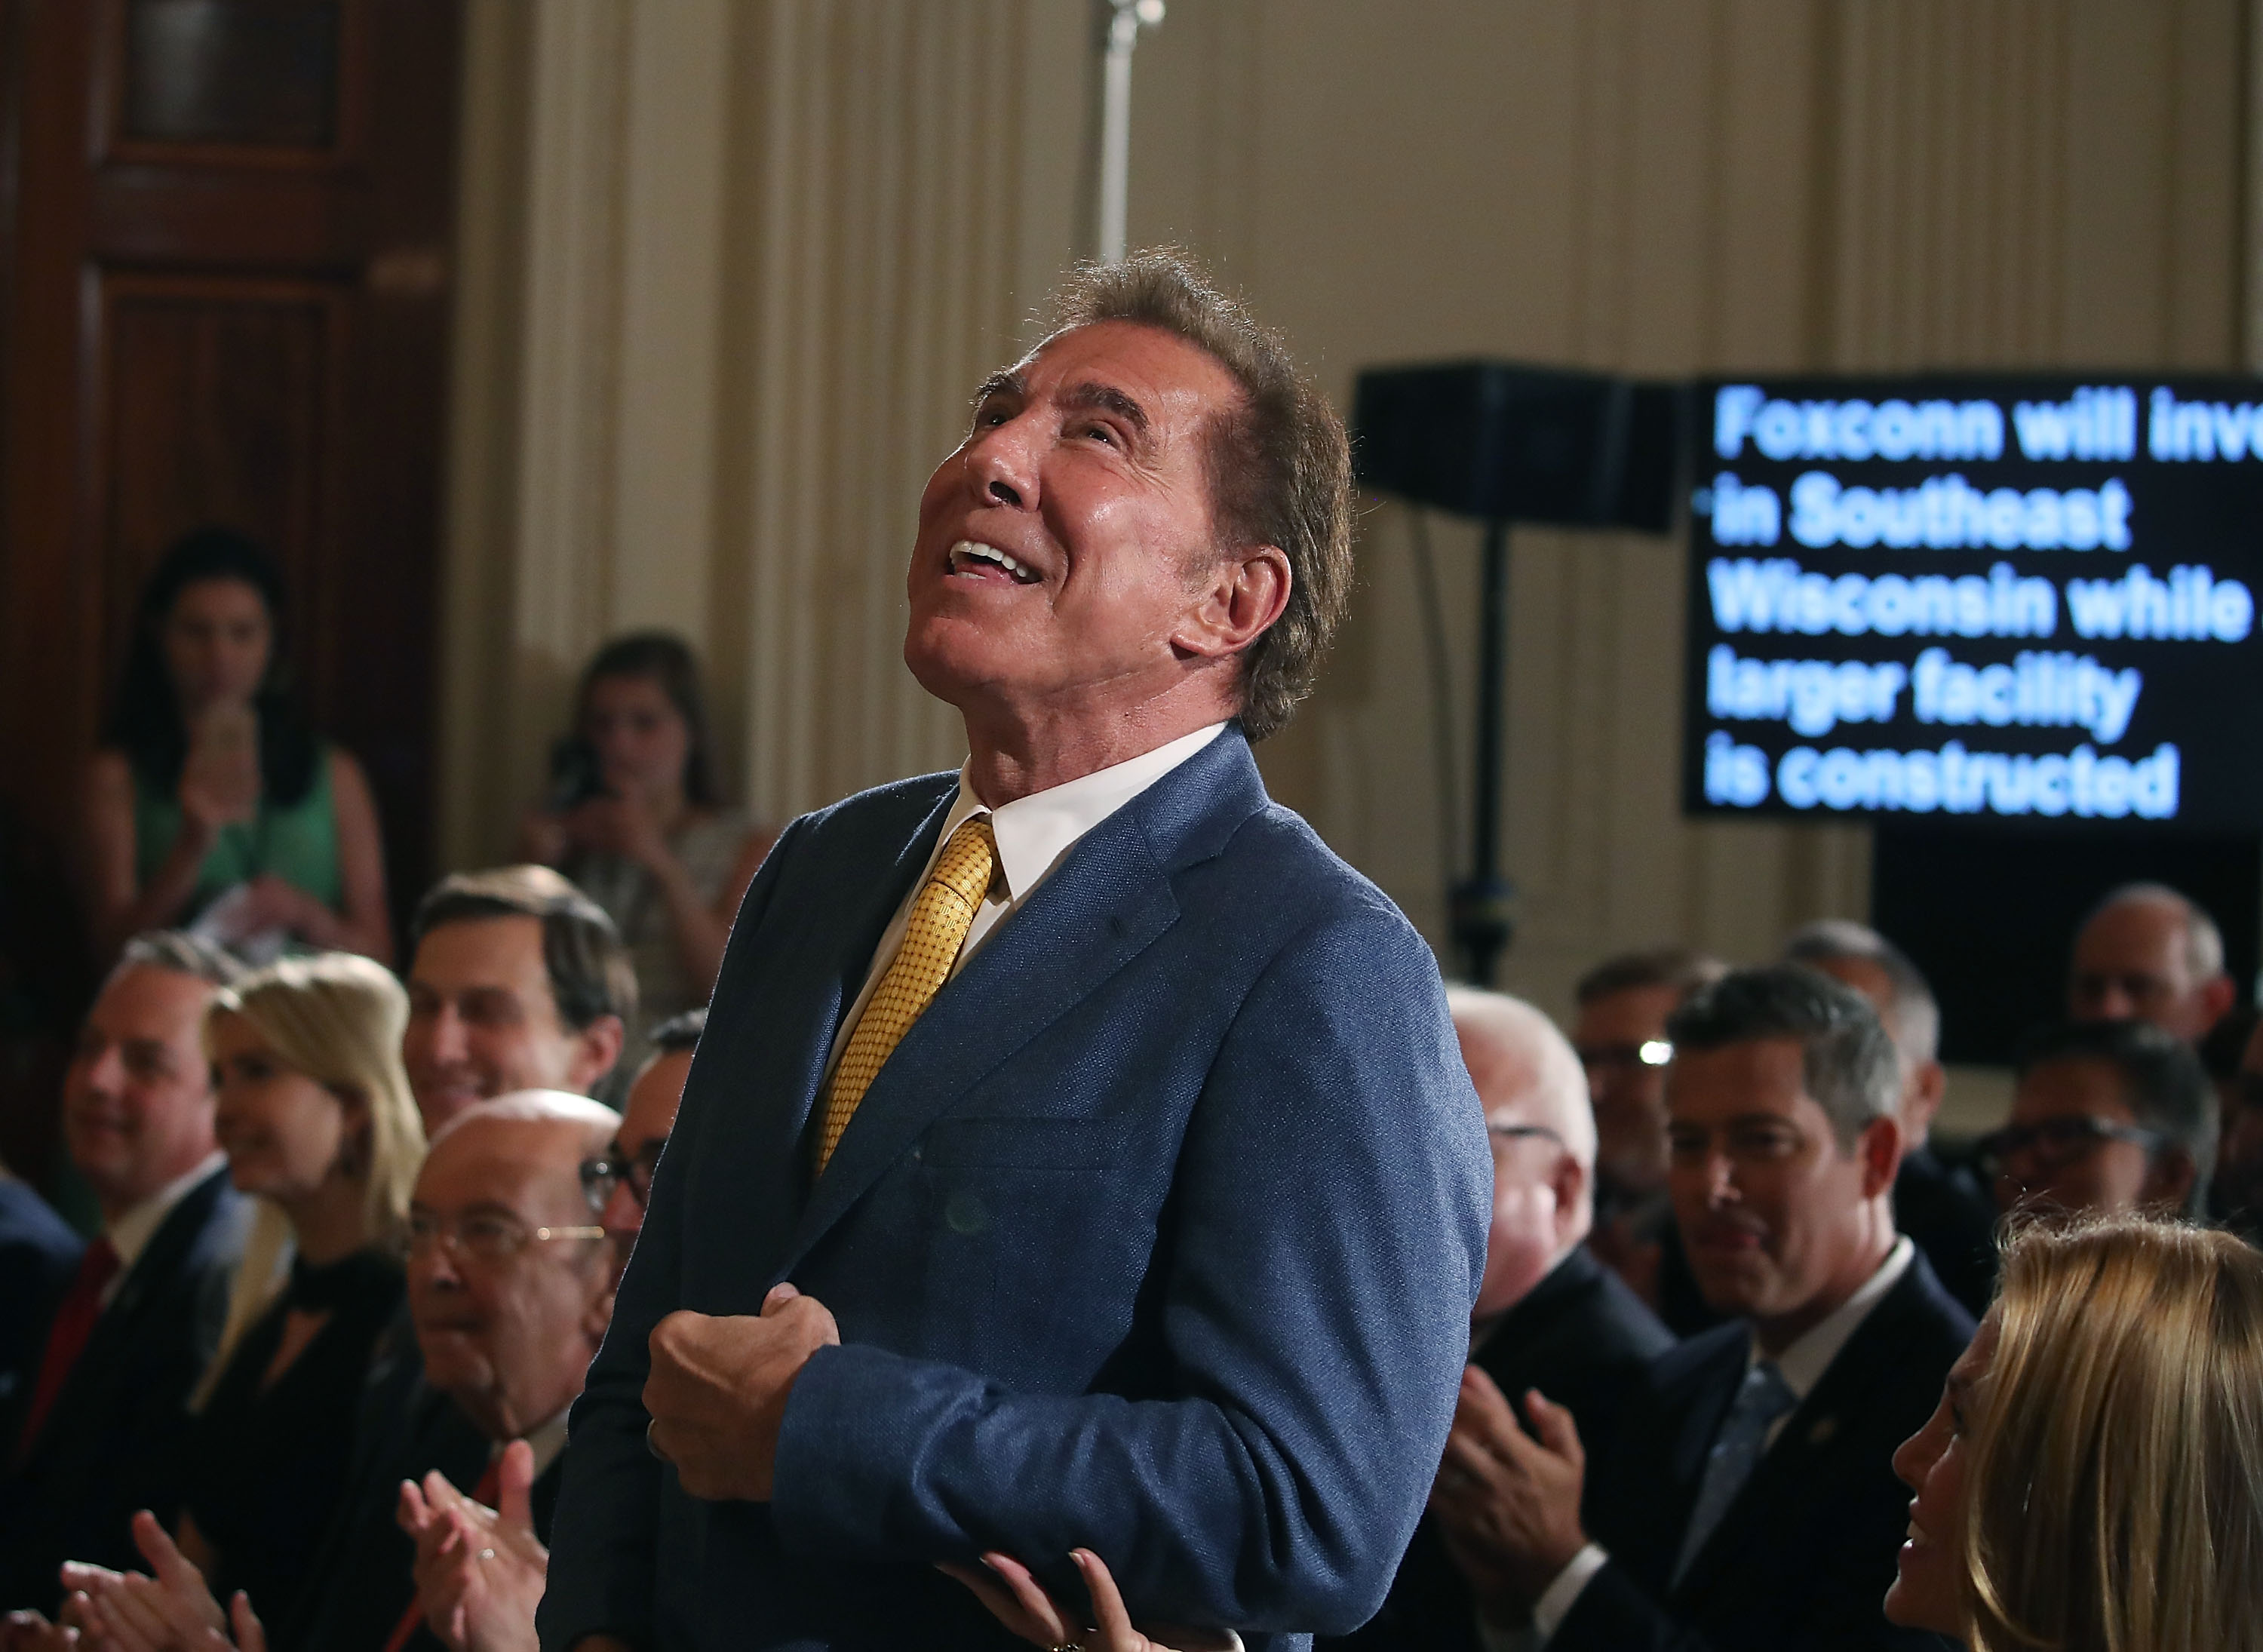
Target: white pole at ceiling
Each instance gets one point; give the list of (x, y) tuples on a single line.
[(1123, 19)]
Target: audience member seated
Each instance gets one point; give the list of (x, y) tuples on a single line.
[(316, 1116), (1747, 1501), (2094, 1477), (517, 981), (39, 1253), (100, 1431), (510, 1286), (2106, 1116), (480, 1570), (620, 1182), (1943, 1209), (2237, 1199), (1548, 1314), (635, 819), (1620, 1034), (2147, 953), (211, 801)]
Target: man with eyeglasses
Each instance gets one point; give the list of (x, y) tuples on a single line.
[(1620, 1035), (511, 1287), (1548, 1315), (618, 1182), (2106, 1116)]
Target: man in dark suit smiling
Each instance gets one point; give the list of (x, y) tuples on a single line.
[(1078, 1152), (1749, 1501)]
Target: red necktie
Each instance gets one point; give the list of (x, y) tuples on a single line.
[(74, 1323), (489, 1491)]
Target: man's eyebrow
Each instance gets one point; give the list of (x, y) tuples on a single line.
[(1109, 399), (1006, 381)]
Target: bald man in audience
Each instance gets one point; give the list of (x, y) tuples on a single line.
[(2146, 952), (1941, 1207), (1548, 1315), (511, 1284)]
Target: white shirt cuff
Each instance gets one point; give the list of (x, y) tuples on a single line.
[(1557, 1600)]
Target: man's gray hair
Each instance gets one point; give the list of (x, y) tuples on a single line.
[(1850, 1066), (2204, 941), (1915, 1023), (181, 953)]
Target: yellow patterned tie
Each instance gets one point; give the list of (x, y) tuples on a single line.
[(941, 916)]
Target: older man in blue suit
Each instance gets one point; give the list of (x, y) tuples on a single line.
[(1079, 1152)]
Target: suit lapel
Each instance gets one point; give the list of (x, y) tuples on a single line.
[(1835, 1406), (1105, 904)]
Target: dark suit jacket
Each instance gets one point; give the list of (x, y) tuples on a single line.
[(39, 1253), (1158, 1233), (360, 1582), (1582, 1338), (114, 1442), (1802, 1557), (1950, 1218)]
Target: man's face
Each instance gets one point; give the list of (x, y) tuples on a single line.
[(483, 1022), (507, 1321), (2130, 964), (2078, 1173), (645, 1123), (1621, 1038), (2239, 1157), (1086, 466), (1772, 1209), (138, 1098)]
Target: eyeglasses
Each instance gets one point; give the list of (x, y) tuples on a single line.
[(2052, 1144), (1522, 1132), (1649, 1053), (485, 1235), (599, 1176)]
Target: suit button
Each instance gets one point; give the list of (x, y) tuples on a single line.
[(965, 1213)]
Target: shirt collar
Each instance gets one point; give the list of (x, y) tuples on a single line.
[(547, 1440), (1034, 832), (1804, 1362), (131, 1234)]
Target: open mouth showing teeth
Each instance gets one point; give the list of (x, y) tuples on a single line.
[(968, 556)]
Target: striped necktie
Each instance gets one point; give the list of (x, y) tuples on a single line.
[(941, 916)]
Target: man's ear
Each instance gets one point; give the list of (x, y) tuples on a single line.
[(597, 1049), (2216, 995), (1879, 1147), (1921, 1103), (2169, 1181), (1569, 1182), (1242, 597)]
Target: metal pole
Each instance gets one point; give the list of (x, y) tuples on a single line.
[(1484, 904), (1121, 37)]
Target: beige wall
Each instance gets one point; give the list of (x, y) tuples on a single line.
[(730, 267)]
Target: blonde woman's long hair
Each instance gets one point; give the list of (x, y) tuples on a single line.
[(2114, 1490), (337, 1017)]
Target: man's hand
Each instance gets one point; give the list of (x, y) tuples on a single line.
[(718, 1390), (479, 1571), (1509, 1506), (1016, 1599)]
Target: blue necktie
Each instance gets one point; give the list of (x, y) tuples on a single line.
[(1761, 1398)]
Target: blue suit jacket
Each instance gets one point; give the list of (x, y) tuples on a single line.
[(1158, 1233), (1802, 1558)]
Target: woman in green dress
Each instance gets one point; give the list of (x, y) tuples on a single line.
[(211, 803)]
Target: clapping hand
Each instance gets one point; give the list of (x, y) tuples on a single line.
[(1017, 1600), (1508, 1505), (480, 1571), (718, 1390), (129, 1611)]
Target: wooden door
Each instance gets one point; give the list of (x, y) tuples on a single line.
[(224, 263)]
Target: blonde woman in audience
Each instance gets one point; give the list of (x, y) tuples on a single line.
[(315, 1115), (2093, 1478)]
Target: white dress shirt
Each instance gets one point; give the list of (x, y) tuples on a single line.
[(1034, 835), (1802, 1367), (131, 1234)]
